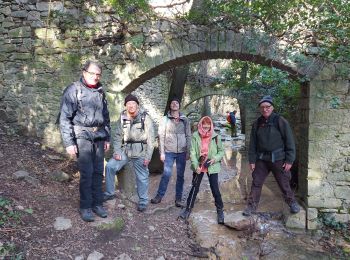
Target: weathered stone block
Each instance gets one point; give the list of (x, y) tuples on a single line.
[(20, 14), (20, 32), (328, 72), (295, 220), (312, 213), (9, 48), (47, 34), (21, 56), (126, 180), (342, 218), (237, 42), (33, 16), (54, 6), (6, 10), (339, 176), (313, 224), (6, 25), (320, 187), (321, 202), (342, 192)]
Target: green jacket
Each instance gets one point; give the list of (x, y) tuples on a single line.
[(216, 151)]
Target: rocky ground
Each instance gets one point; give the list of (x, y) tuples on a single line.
[(39, 217)]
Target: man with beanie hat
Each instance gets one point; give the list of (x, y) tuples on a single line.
[(174, 146), (131, 97), (133, 141), (271, 148)]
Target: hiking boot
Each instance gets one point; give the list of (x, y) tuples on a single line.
[(86, 215), (108, 197), (185, 214), (294, 207), (100, 211), (141, 208), (249, 210), (220, 216), (178, 203), (157, 199)]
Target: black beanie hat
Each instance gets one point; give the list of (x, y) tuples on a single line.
[(131, 97), (175, 99), (267, 99)]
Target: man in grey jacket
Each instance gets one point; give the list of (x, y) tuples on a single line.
[(85, 128), (174, 145), (134, 141)]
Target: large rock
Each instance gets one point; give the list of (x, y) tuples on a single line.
[(237, 221), (212, 236)]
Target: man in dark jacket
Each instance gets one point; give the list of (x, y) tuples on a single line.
[(85, 127), (271, 148)]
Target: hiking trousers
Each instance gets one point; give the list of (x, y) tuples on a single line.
[(214, 187), (261, 171), (141, 172), (180, 159), (90, 163)]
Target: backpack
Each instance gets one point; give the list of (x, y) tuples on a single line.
[(228, 118), (232, 118), (277, 123), (78, 93), (143, 117)]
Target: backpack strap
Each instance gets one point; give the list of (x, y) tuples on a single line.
[(78, 91), (278, 123)]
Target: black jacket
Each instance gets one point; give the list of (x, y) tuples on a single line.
[(273, 134), (86, 107)]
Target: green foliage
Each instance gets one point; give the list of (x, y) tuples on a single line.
[(329, 221), (9, 251), (137, 40), (255, 81), (335, 102), (127, 8), (8, 216), (71, 61), (324, 24), (117, 225), (64, 21)]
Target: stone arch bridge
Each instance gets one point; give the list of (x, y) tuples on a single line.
[(324, 178), (39, 57)]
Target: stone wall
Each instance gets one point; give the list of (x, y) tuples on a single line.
[(42, 47), (328, 178)]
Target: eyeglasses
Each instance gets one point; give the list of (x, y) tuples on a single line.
[(93, 74), (265, 107)]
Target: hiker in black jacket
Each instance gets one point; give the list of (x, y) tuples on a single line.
[(85, 127), (271, 148)]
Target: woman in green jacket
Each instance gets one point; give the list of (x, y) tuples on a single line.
[(206, 154)]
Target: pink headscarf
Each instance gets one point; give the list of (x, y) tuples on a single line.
[(205, 136)]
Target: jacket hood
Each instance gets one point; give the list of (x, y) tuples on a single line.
[(200, 127)]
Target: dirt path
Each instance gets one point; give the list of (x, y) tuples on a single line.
[(151, 235)]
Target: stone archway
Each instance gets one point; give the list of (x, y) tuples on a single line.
[(322, 91), (199, 44)]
